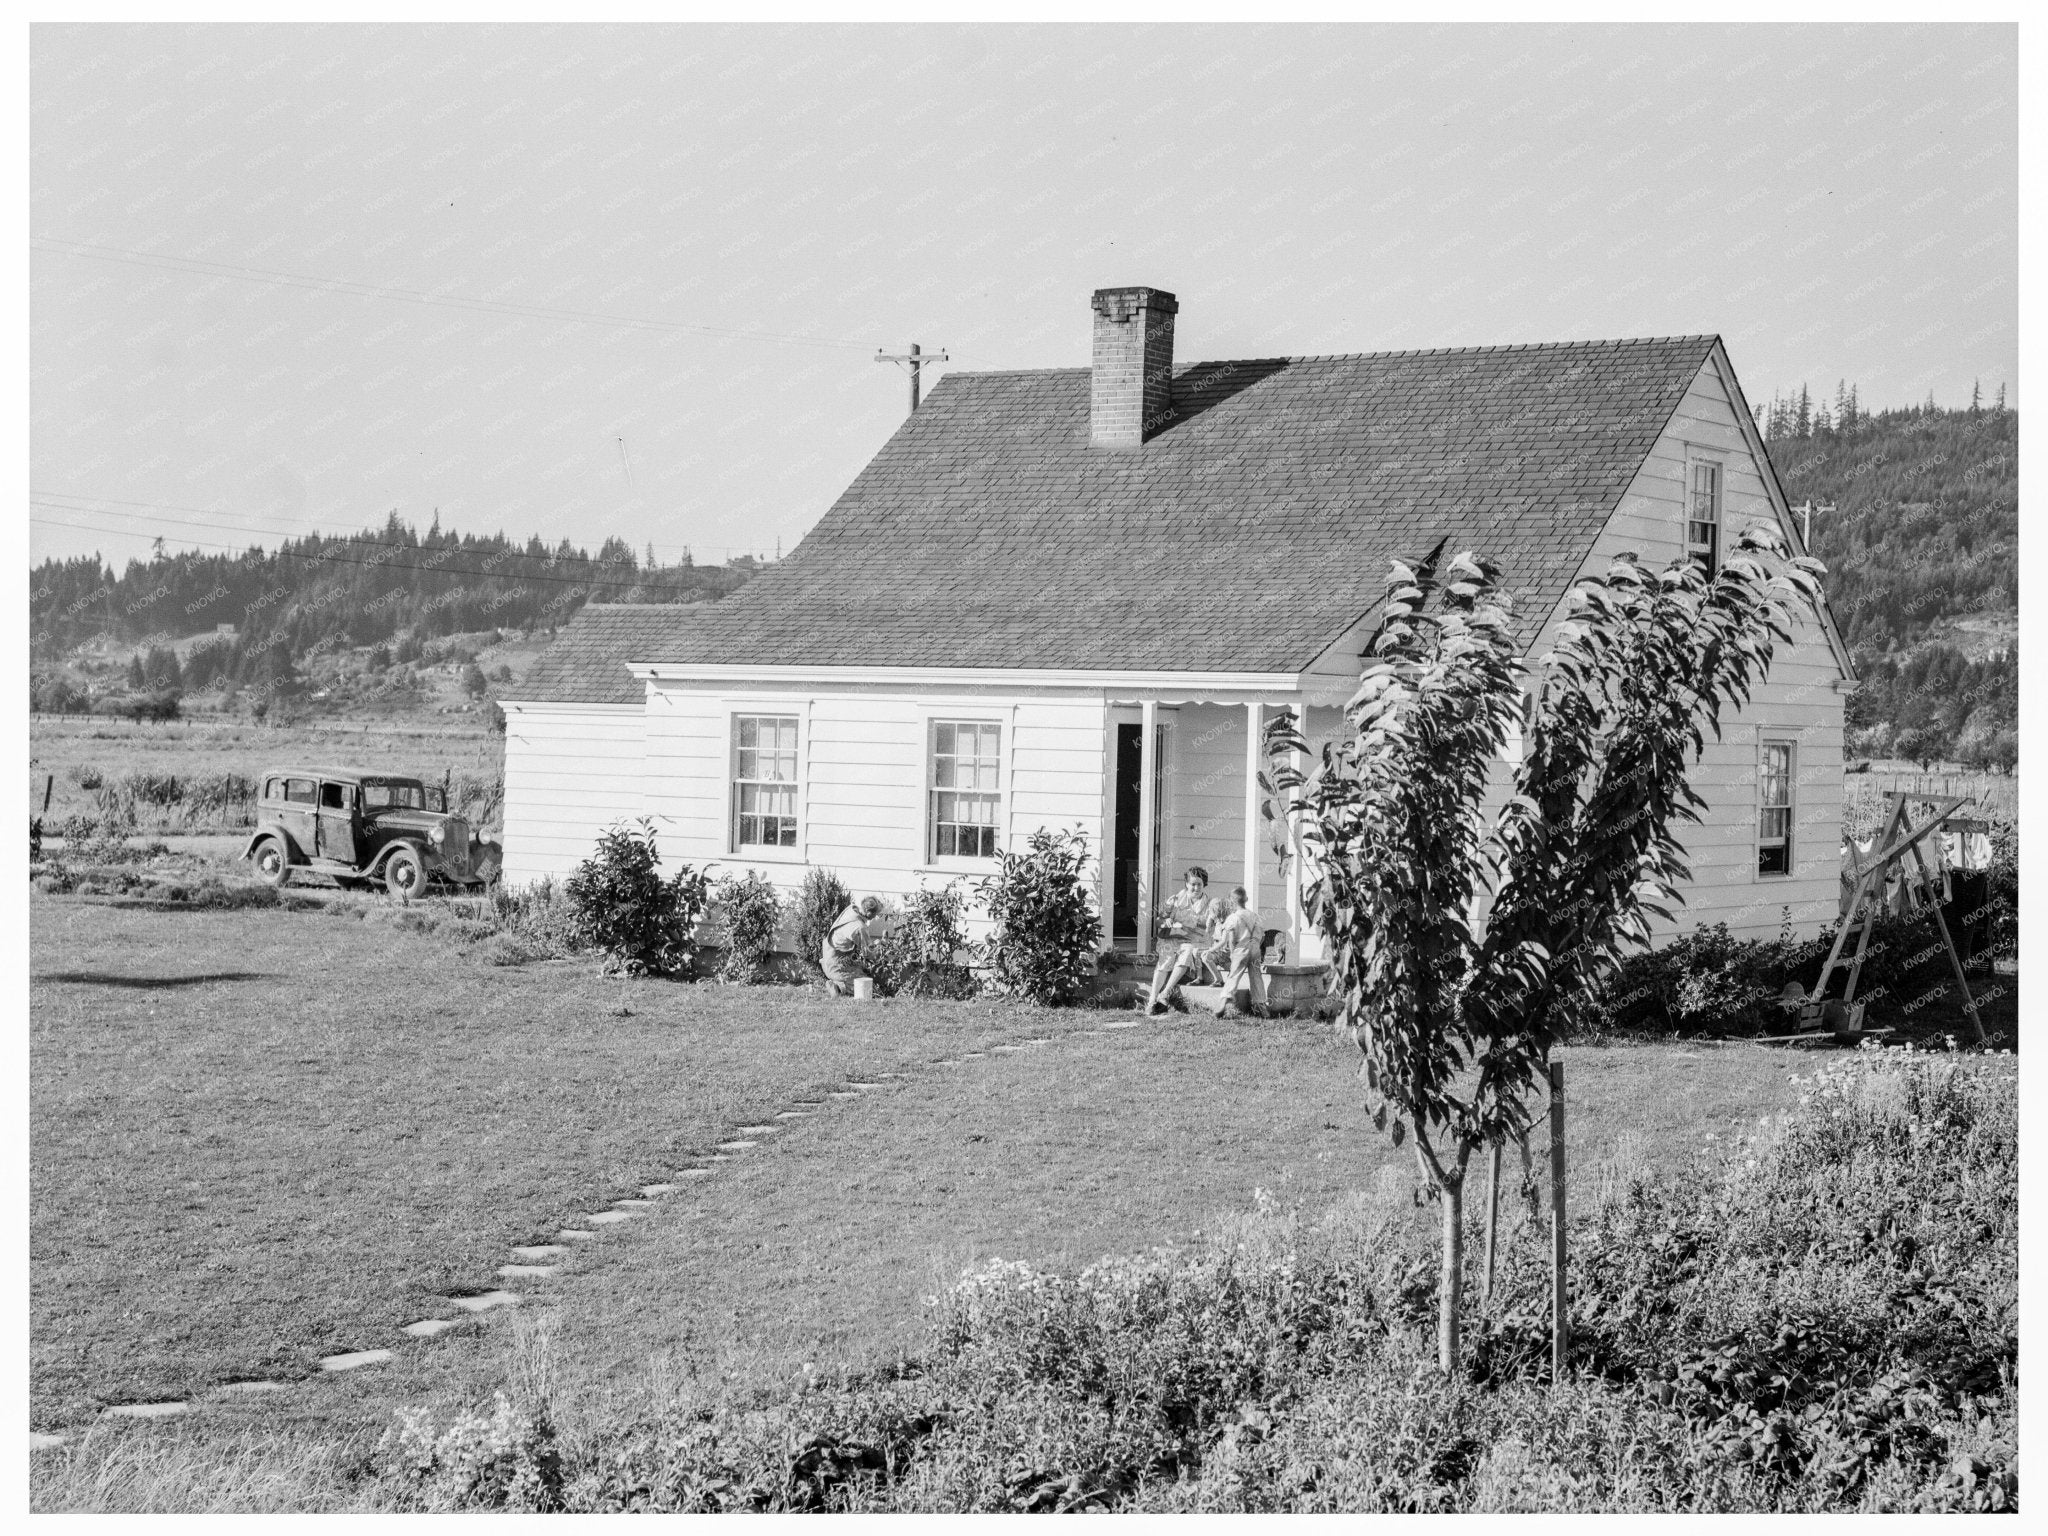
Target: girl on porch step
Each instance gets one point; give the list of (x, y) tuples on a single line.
[(1236, 955), (1184, 931)]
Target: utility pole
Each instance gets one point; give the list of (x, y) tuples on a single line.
[(1806, 509), (916, 359)]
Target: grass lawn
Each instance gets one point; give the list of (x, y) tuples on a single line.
[(821, 1249), (262, 1137)]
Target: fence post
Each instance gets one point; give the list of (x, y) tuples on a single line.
[(1560, 1324), (1492, 1223)]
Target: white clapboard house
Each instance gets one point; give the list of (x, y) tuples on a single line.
[(1069, 597)]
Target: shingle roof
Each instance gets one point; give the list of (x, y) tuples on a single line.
[(586, 664), (1246, 535)]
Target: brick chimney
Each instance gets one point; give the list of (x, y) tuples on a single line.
[(1130, 396)]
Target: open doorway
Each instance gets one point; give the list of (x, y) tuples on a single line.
[(1124, 855)]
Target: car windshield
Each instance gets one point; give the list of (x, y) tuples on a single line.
[(412, 797)]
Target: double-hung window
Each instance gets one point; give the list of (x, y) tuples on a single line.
[(1774, 808), (966, 792), (764, 782), (1703, 515)]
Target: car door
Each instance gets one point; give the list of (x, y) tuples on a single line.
[(299, 815), (338, 822)]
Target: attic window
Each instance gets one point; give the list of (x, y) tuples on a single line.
[(1703, 516)]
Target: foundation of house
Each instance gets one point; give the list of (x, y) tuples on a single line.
[(1296, 988)]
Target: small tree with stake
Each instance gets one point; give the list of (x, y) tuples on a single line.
[(1465, 946)]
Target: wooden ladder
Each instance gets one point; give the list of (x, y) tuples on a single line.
[(1898, 839)]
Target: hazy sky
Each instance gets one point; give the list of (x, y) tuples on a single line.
[(1836, 202)]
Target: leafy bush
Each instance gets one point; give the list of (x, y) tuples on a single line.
[(751, 912), (915, 953), (85, 776), (97, 840), (141, 706), (1821, 1317), (1046, 928), (1710, 982), (644, 925), (815, 907)]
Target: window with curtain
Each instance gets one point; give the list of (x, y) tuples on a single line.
[(966, 789), (764, 782), (1774, 812), (1703, 517)]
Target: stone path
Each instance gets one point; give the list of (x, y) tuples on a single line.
[(538, 1261)]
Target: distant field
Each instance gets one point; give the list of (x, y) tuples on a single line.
[(1995, 795), (429, 747)]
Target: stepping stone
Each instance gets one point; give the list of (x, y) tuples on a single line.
[(514, 1271), (533, 1253), (606, 1218), (631, 1204), (807, 1103), (431, 1327), (651, 1190), (149, 1410), (794, 1114), (736, 1146), (847, 1094), (976, 1055), (483, 1303), (42, 1442), (1041, 1040), (252, 1386), (852, 1084), (355, 1359), (759, 1130), (573, 1235)]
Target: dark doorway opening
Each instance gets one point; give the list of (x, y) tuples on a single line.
[(1123, 923)]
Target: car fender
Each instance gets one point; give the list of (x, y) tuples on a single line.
[(292, 852), (383, 857)]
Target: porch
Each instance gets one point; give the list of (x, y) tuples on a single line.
[(1181, 789)]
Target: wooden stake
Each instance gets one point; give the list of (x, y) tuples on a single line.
[(1492, 1223), (1560, 1325)]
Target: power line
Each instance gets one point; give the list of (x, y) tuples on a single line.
[(112, 506), (348, 286), (513, 576)]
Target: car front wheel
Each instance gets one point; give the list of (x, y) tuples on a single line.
[(272, 867), (404, 875)]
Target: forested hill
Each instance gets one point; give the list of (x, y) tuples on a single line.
[(1917, 520), (320, 594)]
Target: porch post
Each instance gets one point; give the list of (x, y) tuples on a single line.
[(1296, 762), (1251, 806), (1148, 812)]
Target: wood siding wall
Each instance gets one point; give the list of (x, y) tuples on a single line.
[(865, 778), (1798, 703), (571, 770)]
